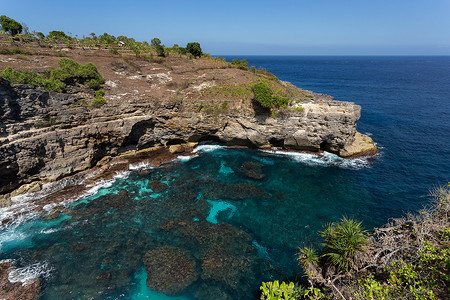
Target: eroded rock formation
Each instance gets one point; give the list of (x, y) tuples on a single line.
[(46, 136)]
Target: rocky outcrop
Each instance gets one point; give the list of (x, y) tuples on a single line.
[(46, 135), (29, 290)]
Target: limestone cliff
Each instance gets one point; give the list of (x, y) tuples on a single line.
[(46, 135)]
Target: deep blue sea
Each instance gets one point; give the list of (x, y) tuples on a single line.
[(236, 230)]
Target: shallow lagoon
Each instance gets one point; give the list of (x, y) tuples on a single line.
[(241, 214)]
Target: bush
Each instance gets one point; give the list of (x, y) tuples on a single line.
[(276, 291), (240, 63), (156, 43), (12, 51), (342, 240), (107, 39), (97, 102), (58, 35), (10, 25), (194, 49), (264, 96), (69, 73)]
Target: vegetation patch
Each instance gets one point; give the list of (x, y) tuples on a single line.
[(99, 100), (263, 95), (57, 79), (226, 91), (13, 51), (240, 63)]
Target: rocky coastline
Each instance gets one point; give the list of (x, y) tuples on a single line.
[(156, 104), (80, 137)]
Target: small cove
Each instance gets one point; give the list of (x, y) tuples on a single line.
[(243, 229), (94, 247)]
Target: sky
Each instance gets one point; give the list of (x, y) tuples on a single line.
[(284, 27)]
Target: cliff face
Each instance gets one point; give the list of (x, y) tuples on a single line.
[(46, 135)]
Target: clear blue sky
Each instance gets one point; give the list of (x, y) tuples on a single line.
[(285, 27)]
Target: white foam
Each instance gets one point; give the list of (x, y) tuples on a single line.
[(185, 158), (48, 231), (104, 184), (20, 205), (29, 273), (208, 148), (11, 234), (325, 159), (140, 166)]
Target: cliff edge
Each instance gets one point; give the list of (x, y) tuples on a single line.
[(47, 135)]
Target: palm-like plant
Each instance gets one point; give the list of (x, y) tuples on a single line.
[(342, 240), (307, 256)]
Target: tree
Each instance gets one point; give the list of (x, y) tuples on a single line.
[(10, 25), (194, 49), (58, 35), (106, 39), (156, 43)]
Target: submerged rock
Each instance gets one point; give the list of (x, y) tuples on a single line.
[(29, 290), (170, 270), (231, 270), (157, 186), (208, 292), (235, 191), (253, 170)]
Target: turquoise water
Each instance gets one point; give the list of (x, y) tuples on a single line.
[(240, 230)]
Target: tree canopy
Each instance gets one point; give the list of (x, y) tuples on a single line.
[(10, 25), (194, 49), (58, 35), (156, 43)]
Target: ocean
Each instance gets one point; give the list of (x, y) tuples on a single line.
[(232, 218)]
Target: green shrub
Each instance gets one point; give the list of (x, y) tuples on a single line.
[(263, 94), (276, 291), (69, 73), (99, 93), (307, 256), (240, 63), (106, 39), (10, 25), (156, 43), (58, 35), (342, 240), (12, 51), (281, 101), (194, 49), (97, 102)]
